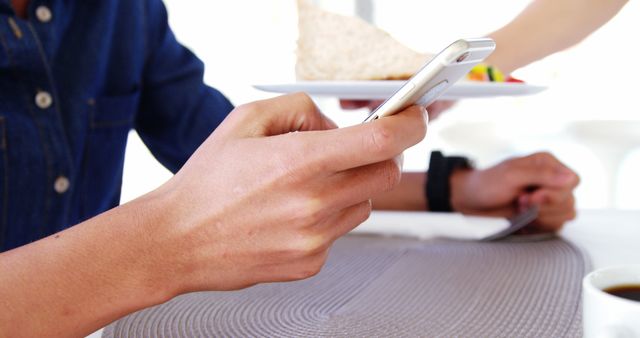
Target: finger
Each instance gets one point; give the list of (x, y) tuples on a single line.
[(567, 213), (550, 197), (359, 184), (539, 170), (346, 220), (299, 269), (360, 145), (565, 207), (312, 248), (553, 222), (548, 200), (552, 216), (280, 115)]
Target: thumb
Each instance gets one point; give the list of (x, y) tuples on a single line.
[(279, 115)]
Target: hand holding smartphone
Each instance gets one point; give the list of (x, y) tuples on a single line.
[(436, 76)]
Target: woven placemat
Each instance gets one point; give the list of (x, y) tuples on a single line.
[(376, 286)]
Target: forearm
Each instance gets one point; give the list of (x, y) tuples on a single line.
[(76, 281), (410, 195), (407, 195), (546, 27)]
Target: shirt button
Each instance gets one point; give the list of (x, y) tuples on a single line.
[(43, 100), (61, 185), (43, 13)]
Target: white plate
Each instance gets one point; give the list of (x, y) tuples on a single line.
[(379, 90)]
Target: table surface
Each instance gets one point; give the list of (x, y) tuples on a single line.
[(610, 237)]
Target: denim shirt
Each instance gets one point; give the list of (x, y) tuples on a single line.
[(75, 77)]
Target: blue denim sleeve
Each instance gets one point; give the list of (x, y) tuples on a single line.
[(177, 110)]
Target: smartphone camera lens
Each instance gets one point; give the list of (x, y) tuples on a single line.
[(462, 57)]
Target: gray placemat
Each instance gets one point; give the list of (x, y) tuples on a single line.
[(376, 286)]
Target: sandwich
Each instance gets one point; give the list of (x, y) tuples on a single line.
[(336, 47)]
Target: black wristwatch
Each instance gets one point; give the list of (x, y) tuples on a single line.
[(438, 186)]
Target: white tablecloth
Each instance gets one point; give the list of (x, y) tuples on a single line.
[(611, 237)]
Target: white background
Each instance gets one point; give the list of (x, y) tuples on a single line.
[(589, 116)]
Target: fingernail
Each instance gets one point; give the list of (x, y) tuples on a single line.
[(399, 161), (425, 114)]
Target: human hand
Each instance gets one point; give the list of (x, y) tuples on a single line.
[(269, 191), (434, 110), (515, 185)]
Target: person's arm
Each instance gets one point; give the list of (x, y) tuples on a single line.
[(546, 27), (407, 195), (261, 200), (177, 109), (78, 280), (502, 190)]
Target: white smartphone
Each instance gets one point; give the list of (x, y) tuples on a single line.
[(436, 76)]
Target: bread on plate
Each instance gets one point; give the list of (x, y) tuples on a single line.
[(335, 47)]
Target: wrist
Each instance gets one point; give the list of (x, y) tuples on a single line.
[(186, 242), (458, 182), (438, 189), (153, 241), (499, 58), (170, 245)]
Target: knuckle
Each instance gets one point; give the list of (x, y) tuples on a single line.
[(313, 210), (248, 108), (310, 166), (544, 159), (367, 208), (304, 99), (309, 270), (286, 168), (306, 245), (380, 139), (356, 215), (364, 211), (296, 161)]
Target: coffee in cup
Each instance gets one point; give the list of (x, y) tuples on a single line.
[(630, 292), (611, 302)]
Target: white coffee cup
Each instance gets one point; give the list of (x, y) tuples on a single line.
[(605, 315)]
